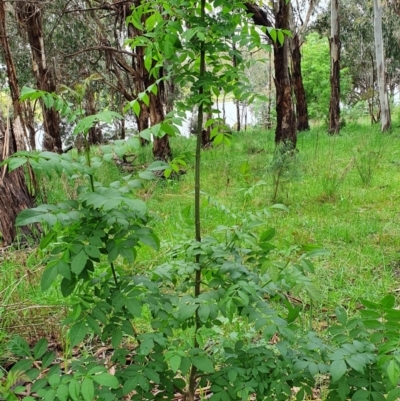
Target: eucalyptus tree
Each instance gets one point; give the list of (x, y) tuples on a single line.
[(298, 26), (380, 66), (124, 71), (334, 42), (30, 17), (14, 194), (277, 16)]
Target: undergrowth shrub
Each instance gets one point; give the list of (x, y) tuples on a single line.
[(218, 312)]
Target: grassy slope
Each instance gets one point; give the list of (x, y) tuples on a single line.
[(328, 204)]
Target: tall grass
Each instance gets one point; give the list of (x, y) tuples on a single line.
[(344, 197)]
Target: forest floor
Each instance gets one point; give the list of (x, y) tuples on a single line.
[(341, 192)]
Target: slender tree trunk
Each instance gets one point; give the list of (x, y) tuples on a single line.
[(206, 133), (223, 108), (286, 128), (29, 119), (161, 148), (95, 134), (14, 194), (237, 102), (141, 80), (30, 17), (299, 91), (268, 123), (334, 42), (380, 67)]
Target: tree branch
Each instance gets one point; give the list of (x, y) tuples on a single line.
[(88, 49)]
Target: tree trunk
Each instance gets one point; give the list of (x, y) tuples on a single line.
[(14, 195), (268, 122), (30, 17), (286, 129), (206, 133), (141, 80), (380, 67), (161, 148), (300, 93), (237, 102), (29, 119), (334, 42), (95, 134)]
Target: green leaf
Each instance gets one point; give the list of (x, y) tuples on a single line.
[(341, 315), (78, 332), (29, 216), (149, 239), (204, 312), (48, 277), (116, 337), (186, 311), (15, 162), (361, 395), (74, 389), (175, 362), (152, 375), (130, 385), (377, 396), (79, 262), (203, 363), (388, 301), (168, 129), (370, 305), (29, 93), (20, 347), (356, 362), (232, 375), (40, 348), (134, 307), (106, 380), (50, 395), (87, 389), (393, 372), (343, 389), (48, 359), (62, 392), (64, 269), (267, 235), (92, 251), (337, 369), (146, 347), (48, 239), (393, 395), (93, 325), (48, 100), (218, 139), (22, 366)]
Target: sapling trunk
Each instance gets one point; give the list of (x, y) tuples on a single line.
[(197, 284)]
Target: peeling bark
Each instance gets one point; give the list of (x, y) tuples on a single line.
[(380, 67), (30, 18), (286, 128), (141, 81), (299, 91), (14, 194), (95, 135), (161, 148)]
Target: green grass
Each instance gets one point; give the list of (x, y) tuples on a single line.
[(356, 218)]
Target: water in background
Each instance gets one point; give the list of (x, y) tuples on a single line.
[(230, 116)]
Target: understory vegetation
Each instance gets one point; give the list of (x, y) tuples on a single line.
[(301, 266)]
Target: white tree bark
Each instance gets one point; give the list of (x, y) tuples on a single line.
[(380, 67)]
